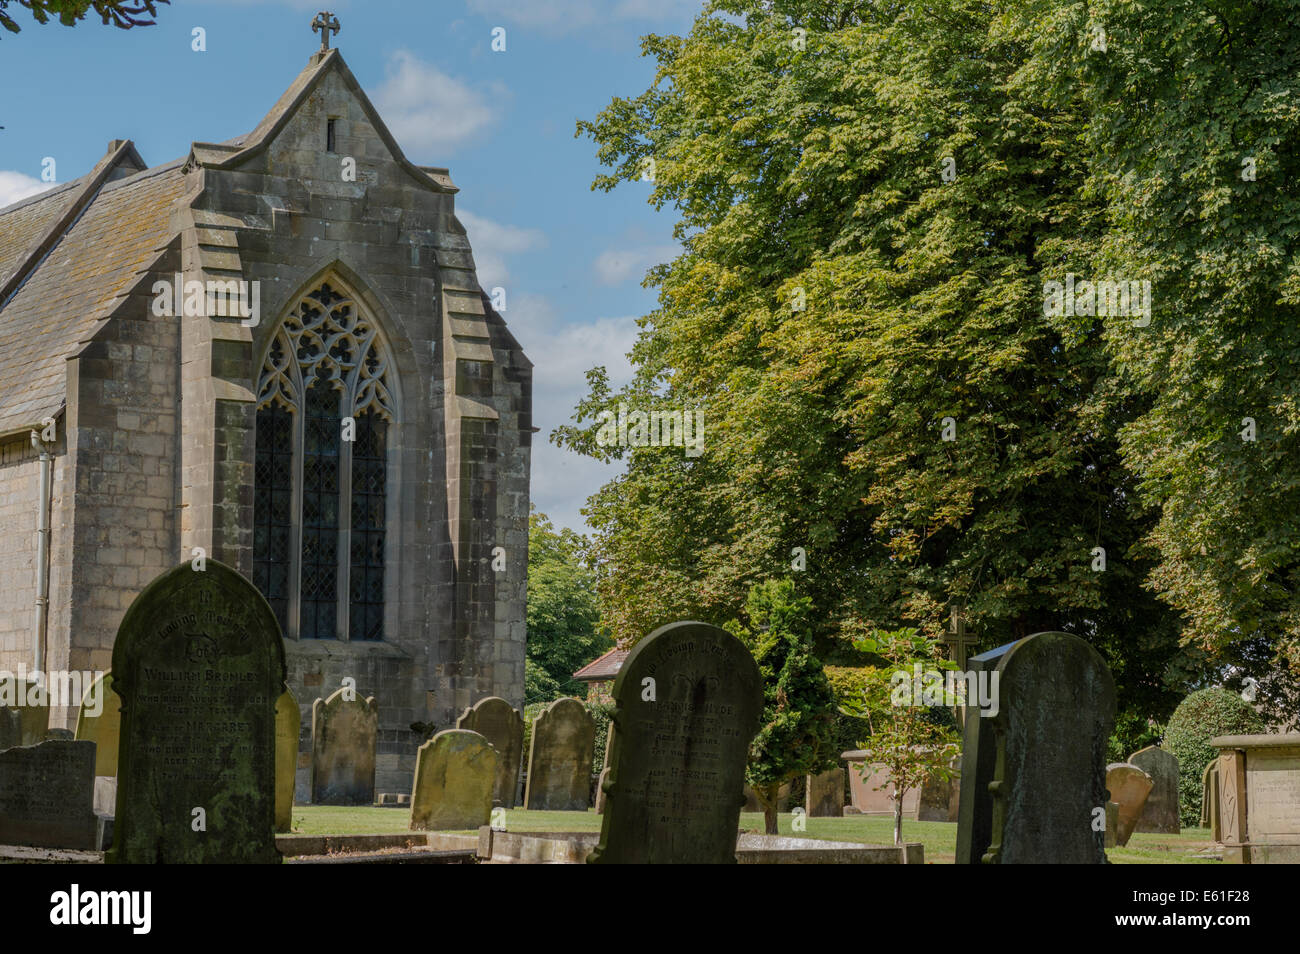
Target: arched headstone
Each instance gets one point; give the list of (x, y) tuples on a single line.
[(559, 758), (288, 727), (1055, 715), (689, 697), (503, 726), (100, 721), (455, 772), (344, 736), (198, 664), (1129, 788), (1161, 812)]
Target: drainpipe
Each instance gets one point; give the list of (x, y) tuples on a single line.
[(42, 554)]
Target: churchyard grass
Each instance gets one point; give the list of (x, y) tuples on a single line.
[(939, 838)]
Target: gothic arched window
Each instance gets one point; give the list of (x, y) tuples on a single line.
[(324, 407)]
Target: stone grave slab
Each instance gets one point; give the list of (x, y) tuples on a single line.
[(824, 794), (978, 761), (47, 796), (1161, 812), (503, 726), (103, 728), (288, 729), (1259, 798), (1129, 788), (688, 701), (455, 779), (559, 758), (344, 737), (198, 664), (1056, 712)]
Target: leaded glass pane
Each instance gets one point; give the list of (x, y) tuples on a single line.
[(366, 599), (320, 511), (272, 496)]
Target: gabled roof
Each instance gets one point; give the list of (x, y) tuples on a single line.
[(603, 667), (70, 255), (77, 282), (233, 153)]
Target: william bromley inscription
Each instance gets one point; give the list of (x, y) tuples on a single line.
[(199, 665)]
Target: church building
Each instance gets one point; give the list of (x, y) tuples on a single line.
[(274, 353)]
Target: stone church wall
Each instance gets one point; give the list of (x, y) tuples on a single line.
[(122, 419), (458, 458), (20, 488)]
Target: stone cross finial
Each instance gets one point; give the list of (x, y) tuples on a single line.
[(325, 22)]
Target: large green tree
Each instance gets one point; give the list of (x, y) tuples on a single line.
[(868, 200), (1193, 136), (564, 630)]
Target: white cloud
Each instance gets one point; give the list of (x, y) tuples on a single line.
[(492, 241), (561, 354), (14, 187), (563, 16), (431, 112), (616, 266)]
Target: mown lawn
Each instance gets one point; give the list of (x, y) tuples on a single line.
[(1193, 846)]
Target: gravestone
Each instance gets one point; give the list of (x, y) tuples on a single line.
[(288, 728), (978, 761), (1129, 788), (1161, 812), (604, 770), (60, 735), (11, 728), (1056, 712), (344, 733), (104, 729), (755, 804), (502, 725), (1210, 799), (1259, 798), (939, 797), (824, 794), (46, 796), (198, 664), (559, 758), (30, 700), (456, 774), (873, 793), (688, 701), (1112, 823)]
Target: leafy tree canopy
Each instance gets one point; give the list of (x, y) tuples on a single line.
[(123, 14), (870, 200), (564, 631)]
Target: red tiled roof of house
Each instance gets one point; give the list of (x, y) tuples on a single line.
[(603, 667)]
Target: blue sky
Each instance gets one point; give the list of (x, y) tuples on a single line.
[(570, 259)]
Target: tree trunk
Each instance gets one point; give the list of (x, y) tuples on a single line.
[(898, 818), (768, 795)]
